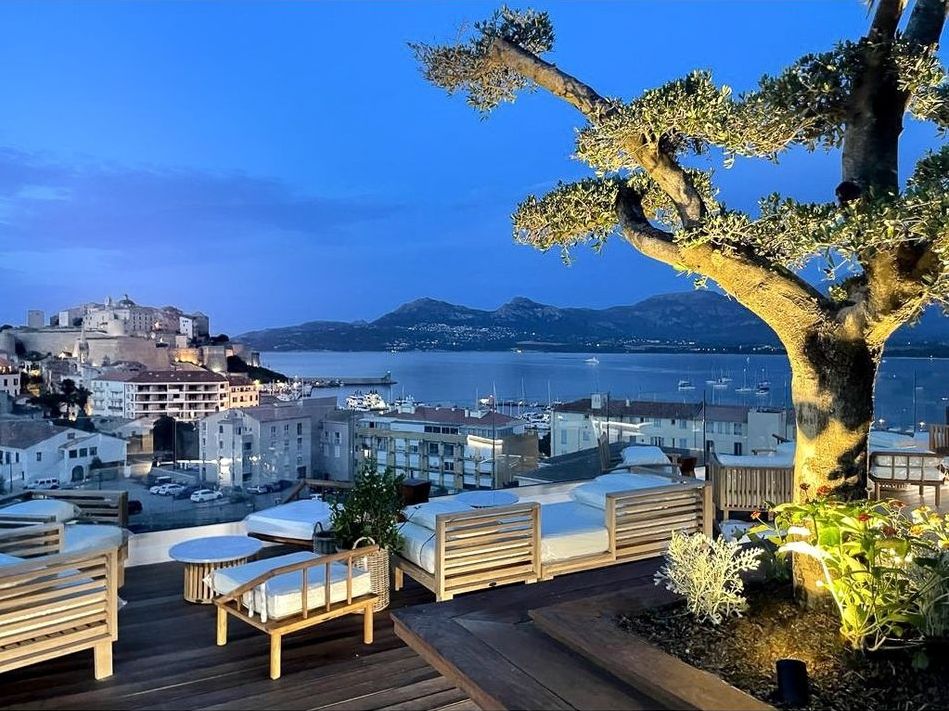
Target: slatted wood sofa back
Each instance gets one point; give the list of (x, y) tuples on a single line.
[(939, 439), (53, 604), (749, 488), (907, 468)]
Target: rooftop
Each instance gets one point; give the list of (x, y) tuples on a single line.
[(665, 410), (166, 657), (21, 434), (450, 416), (178, 376)]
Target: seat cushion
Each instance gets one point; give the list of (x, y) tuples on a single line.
[(418, 545), (60, 511), (424, 514), (79, 537), (282, 595), (644, 455), (594, 493), (571, 530), (296, 520)]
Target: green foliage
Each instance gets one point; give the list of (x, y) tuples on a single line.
[(707, 573), (887, 573), (370, 509), (463, 66)]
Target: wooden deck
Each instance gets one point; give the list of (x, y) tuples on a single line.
[(166, 658), (488, 645)]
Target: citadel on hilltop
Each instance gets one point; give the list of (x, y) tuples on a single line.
[(102, 334)]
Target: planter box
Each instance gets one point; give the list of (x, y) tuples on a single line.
[(588, 627)]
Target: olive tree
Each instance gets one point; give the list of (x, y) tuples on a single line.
[(884, 241)]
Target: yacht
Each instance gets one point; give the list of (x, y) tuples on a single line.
[(686, 385), (592, 361), (763, 389), (365, 402), (745, 387), (721, 383)]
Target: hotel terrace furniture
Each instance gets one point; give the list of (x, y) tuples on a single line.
[(292, 592), (53, 603), (94, 519), (487, 498), (898, 468), (939, 439), (750, 483), (451, 548), (203, 556), (294, 523)]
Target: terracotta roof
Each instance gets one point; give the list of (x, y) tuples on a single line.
[(636, 408), (178, 376)]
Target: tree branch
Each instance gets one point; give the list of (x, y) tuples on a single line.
[(926, 22), (787, 303), (660, 166), (886, 19)]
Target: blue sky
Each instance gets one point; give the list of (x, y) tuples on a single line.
[(277, 162)]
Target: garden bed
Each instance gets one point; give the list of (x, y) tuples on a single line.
[(742, 651)]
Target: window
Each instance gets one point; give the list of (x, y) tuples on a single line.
[(336, 450), (286, 428), (586, 435), (248, 446), (72, 454), (738, 429), (738, 448), (563, 436), (683, 425), (93, 451), (273, 429), (449, 450), (433, 448), (299, 443), (323, 449), (220, 444), (683, 443), (299, 460), (83, 452), (220, 429), (449, 466), (336, 437), (299, 428), (655, 441), (39, 456)]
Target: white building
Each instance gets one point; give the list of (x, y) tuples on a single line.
[(193, 325), (452, 447), (9, 378), (107, 397), (242, 391), (728, 429), (38, 449), (187, 394)]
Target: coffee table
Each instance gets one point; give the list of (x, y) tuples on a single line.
[(202, 556)]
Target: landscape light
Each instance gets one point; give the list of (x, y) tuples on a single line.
[(793, 684)]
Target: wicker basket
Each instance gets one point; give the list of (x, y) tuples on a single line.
[(378, 566)]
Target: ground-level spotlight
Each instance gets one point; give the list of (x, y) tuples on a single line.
[(793, 686)]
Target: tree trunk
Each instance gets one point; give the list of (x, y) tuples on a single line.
[(832, 388)]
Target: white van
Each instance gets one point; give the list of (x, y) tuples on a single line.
[(45, 483)]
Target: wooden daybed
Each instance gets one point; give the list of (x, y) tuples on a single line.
[(53, 604), (473, 550), (269, 595)]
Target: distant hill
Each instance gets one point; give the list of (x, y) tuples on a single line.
[(694, 320)]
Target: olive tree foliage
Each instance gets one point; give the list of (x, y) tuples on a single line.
[(640, 188), (884, 242)]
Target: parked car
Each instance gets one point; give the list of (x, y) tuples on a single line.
[(186, 492), (171, 489), (259, 489), (158, 481), (46, 483), (206, 495)]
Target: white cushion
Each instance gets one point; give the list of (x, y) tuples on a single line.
[(282, 595), (424, 514), (642, 455), (570, 530), (418, 545), (61, 511), (78, 537), (295, 520), (594, 493), (9, 559)]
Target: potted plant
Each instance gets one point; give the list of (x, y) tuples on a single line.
[(368, 514)]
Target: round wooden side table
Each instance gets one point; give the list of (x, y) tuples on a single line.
[(202, 556)]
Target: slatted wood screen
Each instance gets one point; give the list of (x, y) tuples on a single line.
[(939, 439), (100, 506), (748, 488), (641, 522), (31, 541), (488, 547)]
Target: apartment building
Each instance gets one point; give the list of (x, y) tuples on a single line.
[(728, 429), (262, 444), (242, 391), (452, 447), (182, 394), (337, 452)]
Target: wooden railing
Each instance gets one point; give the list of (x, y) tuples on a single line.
[(749, 488), (939, 439)]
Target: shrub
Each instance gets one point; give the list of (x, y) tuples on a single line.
[(887, 573), (707, 573), (370, 509)]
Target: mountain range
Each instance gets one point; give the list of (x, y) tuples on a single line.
[(682, 321)]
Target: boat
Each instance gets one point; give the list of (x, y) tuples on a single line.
[(745, 387), (686, 385), (365, 402), (720, 383), (763, 389), (592, 361)]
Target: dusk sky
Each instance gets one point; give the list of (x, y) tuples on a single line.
[(273, 162)]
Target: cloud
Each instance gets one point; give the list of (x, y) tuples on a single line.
[(50, 206)]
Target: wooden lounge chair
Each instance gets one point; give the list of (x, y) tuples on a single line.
[(913, 468), (288, 593), (53, 604)]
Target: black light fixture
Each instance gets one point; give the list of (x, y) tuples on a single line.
[(793, 685)]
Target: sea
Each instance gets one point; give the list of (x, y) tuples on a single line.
[(910, 391)]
